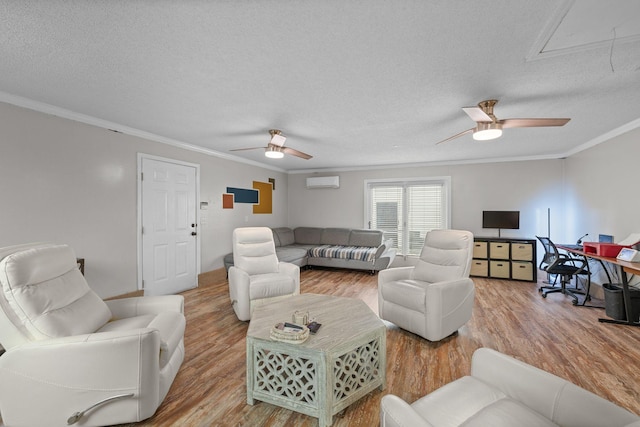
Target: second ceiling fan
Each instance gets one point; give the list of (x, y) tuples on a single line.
[(488, 126), (275, 149)]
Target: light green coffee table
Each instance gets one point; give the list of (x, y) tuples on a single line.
[(343, 362)]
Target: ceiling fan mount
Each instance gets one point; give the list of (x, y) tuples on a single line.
[(488, 126), (487, 108), (275, 149), (276, 137)]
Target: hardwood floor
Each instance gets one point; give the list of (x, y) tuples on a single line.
[(510, 317)]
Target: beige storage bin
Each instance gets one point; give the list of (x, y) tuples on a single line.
[(480, 250), (499, 250), (499, 269), (480, 267), (521, 270), (521, 251)]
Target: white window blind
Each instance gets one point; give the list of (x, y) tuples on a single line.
[(407, 209)]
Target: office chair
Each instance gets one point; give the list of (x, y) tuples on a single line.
[(563, 267)]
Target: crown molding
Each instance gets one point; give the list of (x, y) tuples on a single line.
[(45, 108)]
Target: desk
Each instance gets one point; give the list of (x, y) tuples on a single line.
[(624, 267)]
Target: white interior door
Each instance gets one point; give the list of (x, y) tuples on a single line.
[(169, 226)]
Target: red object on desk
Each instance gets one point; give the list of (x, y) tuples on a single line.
[(602, 249)]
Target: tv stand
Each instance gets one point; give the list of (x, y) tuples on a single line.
[(498, 258)]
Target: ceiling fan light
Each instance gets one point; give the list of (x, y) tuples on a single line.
[(273, 153), (487, 131)]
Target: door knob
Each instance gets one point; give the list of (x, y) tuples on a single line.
[(193, 233)]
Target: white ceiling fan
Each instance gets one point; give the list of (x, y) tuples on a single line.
[(276, 149), (488, 126)]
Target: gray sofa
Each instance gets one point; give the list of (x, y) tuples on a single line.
[(330, 247)]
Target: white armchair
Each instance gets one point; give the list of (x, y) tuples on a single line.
[(434, 298), (257, 276), (503, 392), (72, 357)]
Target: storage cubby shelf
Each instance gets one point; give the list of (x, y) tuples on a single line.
[(501, 258)]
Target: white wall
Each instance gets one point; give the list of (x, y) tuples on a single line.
[(592, 192), (601, 188), (600, 192), (68, 182), (529, 186)]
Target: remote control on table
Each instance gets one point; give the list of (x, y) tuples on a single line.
[(292, 325), (313, 327)]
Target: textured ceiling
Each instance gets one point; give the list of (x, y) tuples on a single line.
[(353, 83)]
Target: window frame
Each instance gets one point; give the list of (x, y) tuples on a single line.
[(444, 181)]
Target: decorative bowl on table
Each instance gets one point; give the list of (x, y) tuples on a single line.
[(291, 335)]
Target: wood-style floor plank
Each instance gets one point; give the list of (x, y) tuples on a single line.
[(510, 317)]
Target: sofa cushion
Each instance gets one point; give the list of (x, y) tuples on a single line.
[(308, 235), (276, 239), (442, 407), (372, 238), (284, 235), (506, 413), (291, 253), (344, 252), (335, 236)]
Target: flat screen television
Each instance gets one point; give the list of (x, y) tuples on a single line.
[(501, 219)]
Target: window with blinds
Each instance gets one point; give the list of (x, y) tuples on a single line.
[(407, 209)]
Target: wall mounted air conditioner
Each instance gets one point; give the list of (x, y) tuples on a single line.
[(323, 182)]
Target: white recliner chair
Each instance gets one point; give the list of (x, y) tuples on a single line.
[(72, 358), (434, 298), (257, 277), (505, 392)]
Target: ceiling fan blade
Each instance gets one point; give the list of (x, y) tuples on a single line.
[(296, 153), (532, 123), (476, 114), (456, 135), (245, 149)]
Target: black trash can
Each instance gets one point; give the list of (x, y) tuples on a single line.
[(614, 302)]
